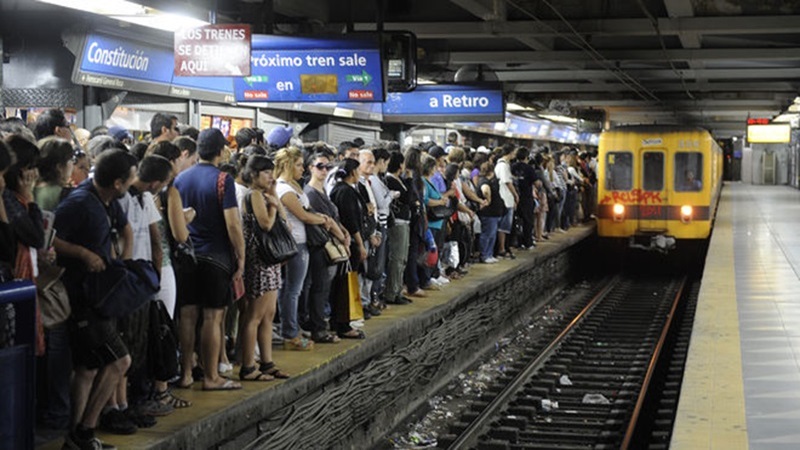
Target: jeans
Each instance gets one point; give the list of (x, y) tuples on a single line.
[(379, 285), (488, 236), (398, 256), (568, 213), (316, 290), (55, 403), (411, 276), (365, 283), (294, 275)]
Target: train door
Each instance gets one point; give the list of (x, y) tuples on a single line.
[(653, 200)]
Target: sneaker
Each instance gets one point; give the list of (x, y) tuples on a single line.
[(443, 280), (490, 260), (139, 419), (299, 344), (72, 442), (154, 408), (357, 324), (116, 422), (401, 300), (277, 339), (225, 367), (372, 310)]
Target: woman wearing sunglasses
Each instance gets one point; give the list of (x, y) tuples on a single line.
[(317, 286)]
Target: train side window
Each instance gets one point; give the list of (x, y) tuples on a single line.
[(688, 171), (619, 171), (653, 171)]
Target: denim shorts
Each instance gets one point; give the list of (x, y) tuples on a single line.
[(506, 221)]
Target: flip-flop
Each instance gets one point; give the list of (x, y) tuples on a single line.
[(228, 385)]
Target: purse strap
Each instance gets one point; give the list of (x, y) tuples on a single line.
[(221, 187)]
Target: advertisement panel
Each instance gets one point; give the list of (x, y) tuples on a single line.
[(300, 69), (213, 50)]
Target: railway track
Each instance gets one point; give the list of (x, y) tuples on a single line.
[(589, 388)]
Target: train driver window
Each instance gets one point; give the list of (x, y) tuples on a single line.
[(619, 171), (689, 171), (653, 171)]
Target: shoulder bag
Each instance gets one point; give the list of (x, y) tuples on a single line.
[(440, 212), (181, 253), (122, 288), (53, 298), (276, 245), (335, 251)]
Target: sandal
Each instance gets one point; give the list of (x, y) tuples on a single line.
[(227, 385), (167, 398), (251, 374), (353, 334), (270, 369), (326, 338), (299, 343)]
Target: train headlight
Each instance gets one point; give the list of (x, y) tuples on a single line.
[(686, 213), (619, 212)]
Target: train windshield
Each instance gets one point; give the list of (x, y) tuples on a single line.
[(619, 171), (653, 167), (688, 171)]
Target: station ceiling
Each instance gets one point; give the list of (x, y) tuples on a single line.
[(711, 63)]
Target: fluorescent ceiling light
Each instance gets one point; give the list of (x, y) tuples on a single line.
[(558, 118), (421, 80), (130, 12), (511, 106)]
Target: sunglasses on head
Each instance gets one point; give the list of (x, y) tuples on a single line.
[(321, 166)]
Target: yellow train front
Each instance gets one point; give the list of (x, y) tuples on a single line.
[(657, 185)]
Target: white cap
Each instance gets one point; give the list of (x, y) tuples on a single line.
[(483, 149)]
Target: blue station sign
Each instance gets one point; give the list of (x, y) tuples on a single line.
[(446, 103), (123, 64), (300, 69)]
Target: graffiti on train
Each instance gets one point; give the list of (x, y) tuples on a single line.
[(636, 196)]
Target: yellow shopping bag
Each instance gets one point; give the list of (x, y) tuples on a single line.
[(349, 297)]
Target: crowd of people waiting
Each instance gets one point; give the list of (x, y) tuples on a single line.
[(194, 204)]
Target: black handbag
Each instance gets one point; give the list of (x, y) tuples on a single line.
[(162, 355), (276, 245), (316, 235), (441, 212), (181, 253), (122, 288)]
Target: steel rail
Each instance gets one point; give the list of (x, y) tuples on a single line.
[(471, 432), (630, 432)]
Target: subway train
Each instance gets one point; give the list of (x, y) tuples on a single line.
[(658, 186)]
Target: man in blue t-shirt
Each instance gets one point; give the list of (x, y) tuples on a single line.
[(218, 241), (86, 222)]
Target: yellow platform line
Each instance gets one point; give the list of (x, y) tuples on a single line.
[(711, 409)]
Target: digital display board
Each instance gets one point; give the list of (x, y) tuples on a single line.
[(446, 103), (776, 133), (301, 69)]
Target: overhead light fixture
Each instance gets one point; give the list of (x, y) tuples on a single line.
[(511, 106), (130, 12), (424, 81), (558, 118)]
